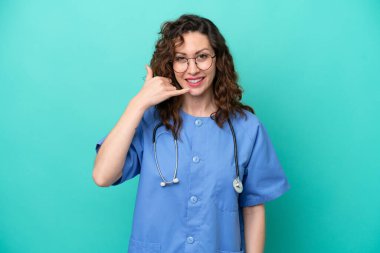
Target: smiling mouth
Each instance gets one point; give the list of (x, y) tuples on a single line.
[(195, 82)]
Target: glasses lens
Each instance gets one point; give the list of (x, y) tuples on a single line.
[(203, 62), (180, 64)]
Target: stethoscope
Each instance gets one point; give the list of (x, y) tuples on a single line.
[(236, 183)]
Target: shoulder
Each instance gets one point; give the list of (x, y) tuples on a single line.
[(150, 116), (249, 123), (248, 119)]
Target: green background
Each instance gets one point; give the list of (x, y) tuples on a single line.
[(310, 69)]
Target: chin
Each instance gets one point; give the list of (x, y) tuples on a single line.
[(193, 92)]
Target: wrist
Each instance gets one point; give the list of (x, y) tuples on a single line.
[(138, 104)]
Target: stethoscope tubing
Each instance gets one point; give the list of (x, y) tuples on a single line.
[(235, 149), (156, 160), (237, 183)]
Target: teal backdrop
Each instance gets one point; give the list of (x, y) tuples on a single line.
[(69, 68)]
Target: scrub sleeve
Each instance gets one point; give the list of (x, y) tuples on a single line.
[(133, 160), (264, 178)]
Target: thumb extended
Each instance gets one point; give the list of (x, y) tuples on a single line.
[(149, 73)]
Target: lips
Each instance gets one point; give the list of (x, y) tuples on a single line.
[(193, 82)]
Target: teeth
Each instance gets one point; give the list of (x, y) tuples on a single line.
[(194, 81)]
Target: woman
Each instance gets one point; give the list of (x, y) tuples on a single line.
[(197, 191)]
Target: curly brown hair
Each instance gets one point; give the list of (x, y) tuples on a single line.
[(227, 92)]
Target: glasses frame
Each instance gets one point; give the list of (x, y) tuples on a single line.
[(196, 64)]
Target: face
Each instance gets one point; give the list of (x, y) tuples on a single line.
[(199, 81)]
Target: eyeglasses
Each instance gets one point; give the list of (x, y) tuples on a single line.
[(203, 62)]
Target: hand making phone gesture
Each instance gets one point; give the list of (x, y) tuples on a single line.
[(157, 89)]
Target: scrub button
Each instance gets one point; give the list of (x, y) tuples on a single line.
[(194, 199), (190, 239), (196, 159), (198, 122)]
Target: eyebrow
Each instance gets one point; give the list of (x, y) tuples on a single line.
[(195, 52)]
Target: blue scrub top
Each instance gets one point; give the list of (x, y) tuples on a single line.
[(202, 213)]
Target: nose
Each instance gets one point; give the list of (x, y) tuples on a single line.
[(192, 68)]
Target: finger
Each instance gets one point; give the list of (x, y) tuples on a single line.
[(171, 87), (171, 82), (166, 80), (178, 92), (149, 73)]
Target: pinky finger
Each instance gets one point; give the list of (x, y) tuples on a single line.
[(179, 92)]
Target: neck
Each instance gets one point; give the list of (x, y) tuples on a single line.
[(199, 106)]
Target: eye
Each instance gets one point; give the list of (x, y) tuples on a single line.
[(180, 59), (203, 56)]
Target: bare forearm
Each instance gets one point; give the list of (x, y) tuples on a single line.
[(111, 156), (254, 228)]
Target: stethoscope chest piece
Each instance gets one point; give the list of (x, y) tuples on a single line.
[(237, 184)]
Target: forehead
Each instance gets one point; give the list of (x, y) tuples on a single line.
[(193, 42)]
